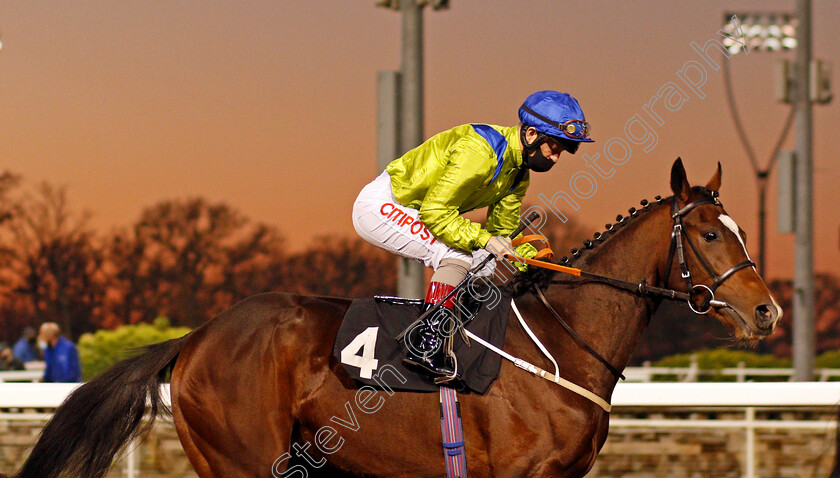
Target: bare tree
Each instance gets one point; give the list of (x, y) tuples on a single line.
[(50, 259), (188, 260), (342, 267), (12, 319), (8, 183)]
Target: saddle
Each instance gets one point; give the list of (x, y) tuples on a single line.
[(366, 343)]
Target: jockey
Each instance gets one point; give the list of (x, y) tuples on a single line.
[(413, 209)]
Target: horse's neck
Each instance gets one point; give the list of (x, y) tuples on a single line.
[(608, 319)]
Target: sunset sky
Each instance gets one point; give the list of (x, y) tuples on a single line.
[(270, 106)]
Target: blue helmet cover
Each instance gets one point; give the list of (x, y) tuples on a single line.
[(556, 106)]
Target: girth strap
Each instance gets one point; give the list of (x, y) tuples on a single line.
[(454, 453)]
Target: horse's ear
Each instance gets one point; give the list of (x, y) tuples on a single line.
[(679, 182), (714, 183)]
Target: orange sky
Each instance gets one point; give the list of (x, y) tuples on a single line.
[(271, 106)]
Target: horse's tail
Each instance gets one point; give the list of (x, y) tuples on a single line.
[(99, 418)]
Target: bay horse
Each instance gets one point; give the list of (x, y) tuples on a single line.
[(256, 385)]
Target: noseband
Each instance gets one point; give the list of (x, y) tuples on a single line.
[(703, 294)]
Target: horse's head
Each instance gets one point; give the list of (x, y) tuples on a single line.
[(717, 270)]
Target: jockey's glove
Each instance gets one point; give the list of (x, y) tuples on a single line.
[(501, 245)]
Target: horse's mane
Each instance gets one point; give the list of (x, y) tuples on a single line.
[(540, 277)]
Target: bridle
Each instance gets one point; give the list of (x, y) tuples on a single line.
[(701, 298)]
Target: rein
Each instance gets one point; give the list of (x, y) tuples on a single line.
[(578, 338)]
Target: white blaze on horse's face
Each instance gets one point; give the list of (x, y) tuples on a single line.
[(732, 226)]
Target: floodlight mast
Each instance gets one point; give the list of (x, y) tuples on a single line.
[(773, 31), (804, 330), (411, 274), (761, 32), (776, 32)]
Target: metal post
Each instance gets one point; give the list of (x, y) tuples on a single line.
[(786, 181), (131, 459), (387, 119), (411, 274), (804, 336), (749, 429), (762, 221)]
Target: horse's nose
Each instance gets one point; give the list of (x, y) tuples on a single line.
[(766, 315)]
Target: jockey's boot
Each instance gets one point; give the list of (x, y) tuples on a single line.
[(427, 342)]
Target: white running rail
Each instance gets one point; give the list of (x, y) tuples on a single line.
[(740, 373), (746, 397)]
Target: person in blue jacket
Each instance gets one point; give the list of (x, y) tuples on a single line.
[(26, 348), (60, 354)]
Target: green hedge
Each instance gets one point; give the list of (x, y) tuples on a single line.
[(718, 359), (830, 359), (100, 350)]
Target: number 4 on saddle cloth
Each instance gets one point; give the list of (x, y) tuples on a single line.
[(366, 342)]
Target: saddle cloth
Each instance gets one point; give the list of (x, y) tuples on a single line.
[(366, 344)]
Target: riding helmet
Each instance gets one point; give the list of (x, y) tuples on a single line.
[(557, 115)]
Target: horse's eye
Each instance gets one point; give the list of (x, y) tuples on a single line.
[(710, 236)]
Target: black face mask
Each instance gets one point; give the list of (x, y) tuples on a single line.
[(538, 163)]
